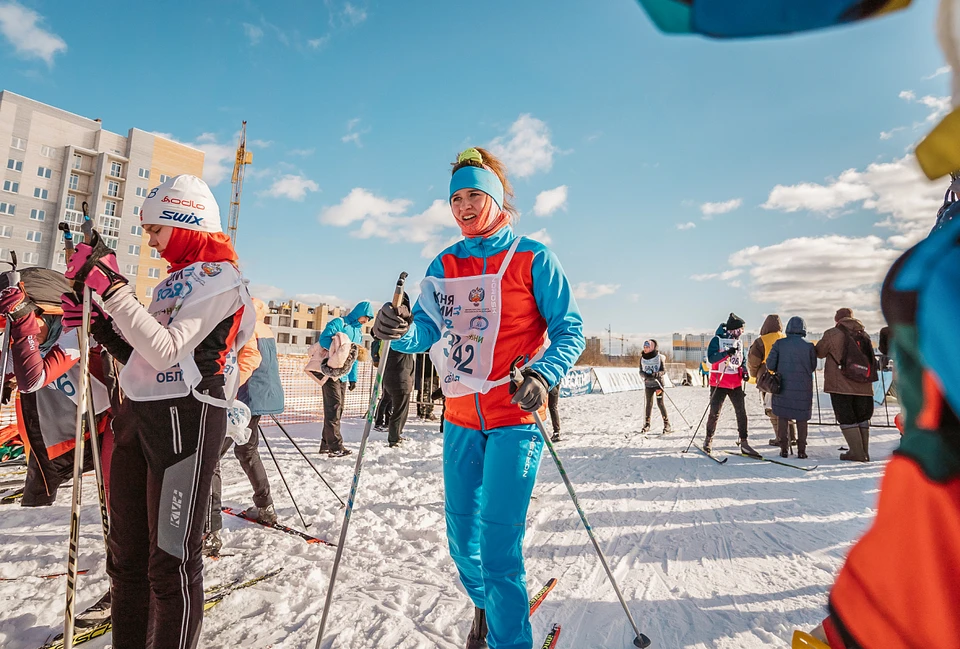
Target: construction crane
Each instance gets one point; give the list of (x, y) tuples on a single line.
[(244, 158)]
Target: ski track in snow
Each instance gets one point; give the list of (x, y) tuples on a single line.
[(731, 556)]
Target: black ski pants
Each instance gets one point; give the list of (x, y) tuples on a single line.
[(163, 460), (553, 404), (383, 409), (249, 456), (650, 394), (399, 399), (334, 394), (716, 405)]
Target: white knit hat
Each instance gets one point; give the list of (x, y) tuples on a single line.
[(183, 201)]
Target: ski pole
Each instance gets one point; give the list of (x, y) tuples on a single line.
[(374, 393), (704, 416), (300, 451), (274, 458), (816, 383), (886, 408), (679, 412), (13, 279), (516, 378)]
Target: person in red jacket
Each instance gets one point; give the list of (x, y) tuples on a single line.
[(728, 371)]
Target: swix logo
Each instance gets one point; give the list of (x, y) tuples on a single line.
[(181, 217), (529, 460), (175, 507), (183, 202)]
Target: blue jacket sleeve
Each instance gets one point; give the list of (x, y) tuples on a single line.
[(714, 355), (554, 296), (333, 327), (423, 332)]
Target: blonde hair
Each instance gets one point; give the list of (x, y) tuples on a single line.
[(494, 164)]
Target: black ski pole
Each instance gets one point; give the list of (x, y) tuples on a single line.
[(697, 430), (679, 412), (816, 384), (274, 458), (372, 406), (302, 454)]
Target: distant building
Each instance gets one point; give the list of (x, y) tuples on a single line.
[(594, 346), (297, 325), (52, 161)]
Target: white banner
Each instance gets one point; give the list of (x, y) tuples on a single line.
[(617, 379)]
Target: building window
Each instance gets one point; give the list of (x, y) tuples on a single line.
[(136, 210), (40, 193), (296, 324), (110, 208), (61, 259), (283, 338), (136, 230), (113, 188), (34, 235), (37, 215), (8, 208), (77, 161), (116, 169), (133, 249), (31, 257), (142, 192), (71, 202), (130, 270), (109, 226), (74, 183), (15, 165), (153, 273), (6, 231), (18, 143), (47, 151), (10, 186), (112, 242), (293, 340), (154, 254), (164, 178), (308, 340), (149, 291), (143, 173), (44, 172)]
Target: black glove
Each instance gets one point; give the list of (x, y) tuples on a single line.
[(532, 393), (352, 386), (392, 322), (730, 351)]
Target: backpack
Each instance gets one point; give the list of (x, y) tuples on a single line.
[(859, 364)]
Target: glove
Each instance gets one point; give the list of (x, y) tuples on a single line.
[(730, 351), (532, 393), (352, 386), (14, 303), (744, 374), (103, 278), (73, 311), (392, 322)]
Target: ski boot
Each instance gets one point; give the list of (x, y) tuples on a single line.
[(708, 444), (646, 427), (398, 442), (746, 449), (96, 614), (211, 544), (343, 451), (477, 638), (774, 442), (667, 428), (263, 515)]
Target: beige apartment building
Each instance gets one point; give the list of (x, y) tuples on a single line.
[(297, 325), (52, 161)]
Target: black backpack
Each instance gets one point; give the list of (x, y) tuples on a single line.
[(859, 364)]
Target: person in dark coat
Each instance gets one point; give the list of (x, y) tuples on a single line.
[(553, 404), (397, 388), (652, 369), (383, 408), (795, 359)]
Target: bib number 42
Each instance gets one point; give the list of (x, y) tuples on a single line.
[(461, 354)]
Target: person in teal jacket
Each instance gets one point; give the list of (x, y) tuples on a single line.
[(335, 390)]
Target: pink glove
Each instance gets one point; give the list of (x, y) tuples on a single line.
[(104, 275), (73, 312), (14, 303)]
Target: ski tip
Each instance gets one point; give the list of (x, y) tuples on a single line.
[(641, 641)]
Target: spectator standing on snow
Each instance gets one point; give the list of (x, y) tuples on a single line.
[(383, 408), (704, 372), (553, 405), (652, 369), (770, 332), (848, 375), (397, 388), (796, 360), (334, 390), (727, 374)]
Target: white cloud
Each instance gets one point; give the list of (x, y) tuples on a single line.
[(293, 187), (301, 152), (317, 43), (541, 235), (886, 135), (724, 276), (23, 28), (814, 276), (689, 225), (218, 159), (353, 135), (896, 189), (939, 106), (345, 14), (712, 209), (268, 293), (314, 299), (262, 144), (593, 290), (253, 33), (360, 205), (550, 201), (941, 70), (527, 149), (909, 95), (354, 15)]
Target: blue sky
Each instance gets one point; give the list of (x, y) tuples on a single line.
[(676, 178)]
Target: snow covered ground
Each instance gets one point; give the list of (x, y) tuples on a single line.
[(707, 555)]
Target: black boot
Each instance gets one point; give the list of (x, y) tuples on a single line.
[(477, 638), (708, 443), (646, 427), (746, 449)]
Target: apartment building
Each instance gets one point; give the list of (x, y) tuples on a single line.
[(54, 161), (296, 325)]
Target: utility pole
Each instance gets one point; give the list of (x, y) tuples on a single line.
[(621, 345), (609, 343)]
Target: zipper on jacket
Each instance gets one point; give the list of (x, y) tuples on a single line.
[(476, 400), (175, 430)]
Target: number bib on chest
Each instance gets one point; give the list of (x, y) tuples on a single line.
[(467, 310), (732, 364)]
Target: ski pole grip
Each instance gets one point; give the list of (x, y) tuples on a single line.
[(398, 292), (516, 378)]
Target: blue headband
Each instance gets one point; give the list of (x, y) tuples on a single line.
[(478, 178)]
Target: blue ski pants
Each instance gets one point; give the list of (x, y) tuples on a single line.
[(488, 479)]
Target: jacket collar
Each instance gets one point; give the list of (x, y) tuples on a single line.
[(487, 246)]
